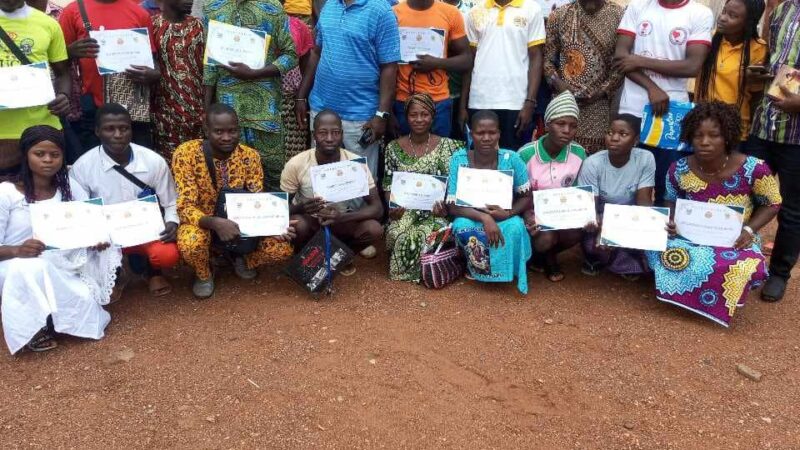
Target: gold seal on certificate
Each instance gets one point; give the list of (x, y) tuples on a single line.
[(479, 188), (636, 227), (134, 223), (228, 43), (69, 225), (121, 49), (416, 191), (421, 41), (25, 86), (259, 214), (712, 224), (564, 208), (341, 181)]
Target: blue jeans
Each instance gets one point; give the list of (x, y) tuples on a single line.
[(664, 159), (442, 125)]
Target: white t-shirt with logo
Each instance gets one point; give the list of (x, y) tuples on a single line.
[(662, 32)]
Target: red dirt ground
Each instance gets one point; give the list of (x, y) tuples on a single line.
[(586, 363)]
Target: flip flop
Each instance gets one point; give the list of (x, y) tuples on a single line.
[(159, 286), (42, 342)]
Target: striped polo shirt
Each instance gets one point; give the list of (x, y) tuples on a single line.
[(546, 172), (355, 41)]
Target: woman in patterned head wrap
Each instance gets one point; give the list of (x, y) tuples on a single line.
[(420, 152)]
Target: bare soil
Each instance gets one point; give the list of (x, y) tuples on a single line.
[(585, 363)]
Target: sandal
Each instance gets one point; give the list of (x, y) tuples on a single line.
[(552, 270), (159, 286), (348, 270), (42, 342), (589, 269)]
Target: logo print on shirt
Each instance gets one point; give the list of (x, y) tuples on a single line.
[(567, 181), (645, 28), (520, 22), (678, 36)]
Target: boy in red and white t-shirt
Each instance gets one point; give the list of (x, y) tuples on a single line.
[(662, 43)]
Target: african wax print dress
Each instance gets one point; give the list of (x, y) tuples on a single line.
[(295, 136), (178, 112), (714, 281), (579, 50), (485, 263), (405, 237)]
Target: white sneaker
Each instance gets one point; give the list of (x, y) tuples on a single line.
[(369, 252)]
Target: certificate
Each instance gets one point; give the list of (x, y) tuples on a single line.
[(711, 224), (121, 49), (69, 225), (420, 41), (228, 43), (24, 86), (416, 191), (479, 188), (134, 223), (259, 214), (564, 208), (341, 181), (637, 227)]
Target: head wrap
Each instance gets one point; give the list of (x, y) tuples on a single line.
[(40, 133), (423, 100), (562, 105)]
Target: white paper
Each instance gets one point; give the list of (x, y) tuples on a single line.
[(416, 191), (134, 223), (121, 49), (259, 214), (69, 225), (479, 188), (25, 86), (341, 181), (421, 41), (564, 208), (637, 227), (711, 224), (228, 43)]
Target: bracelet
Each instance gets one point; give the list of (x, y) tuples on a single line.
[(749, 230), (530, 100), (301, 100)]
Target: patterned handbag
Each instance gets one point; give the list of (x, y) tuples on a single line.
[(441, 260)]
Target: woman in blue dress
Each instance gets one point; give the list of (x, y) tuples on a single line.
[(494, 240)]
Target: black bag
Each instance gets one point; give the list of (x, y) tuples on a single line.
[(241, 245), (316, 264)]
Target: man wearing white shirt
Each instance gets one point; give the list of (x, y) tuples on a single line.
[(119, 171)]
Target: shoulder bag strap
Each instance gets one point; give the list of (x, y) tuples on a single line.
[(210, 162), (13, 47), (84, 16), (132, 178)]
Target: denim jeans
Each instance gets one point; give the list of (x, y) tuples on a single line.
[(442, 125), (784, 160), (664, 159)]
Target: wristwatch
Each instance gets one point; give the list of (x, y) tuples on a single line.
[(382, 114)]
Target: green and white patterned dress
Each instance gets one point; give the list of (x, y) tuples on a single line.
[(406, 236)]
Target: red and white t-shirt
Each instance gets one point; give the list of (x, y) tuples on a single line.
[(662, 32)]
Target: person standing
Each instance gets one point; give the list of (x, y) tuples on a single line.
[(775, 138), (178, 103), (255, 94), (353, 71), (581, 39), (661, 44), (734, 47), (456, 79), (300, 9), (429, 74), (35, 38), (506, 38), (295, 135)]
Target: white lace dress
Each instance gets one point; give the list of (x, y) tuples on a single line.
[(70, 285)]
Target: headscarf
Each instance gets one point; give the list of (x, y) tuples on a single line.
[(40, 133), (30, 137), (562, 105), (423, 100)]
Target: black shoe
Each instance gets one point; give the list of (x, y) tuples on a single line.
[(773, 289)]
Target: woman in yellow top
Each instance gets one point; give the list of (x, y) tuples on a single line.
[(735, 47)]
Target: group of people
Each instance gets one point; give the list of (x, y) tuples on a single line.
[(557, 97)]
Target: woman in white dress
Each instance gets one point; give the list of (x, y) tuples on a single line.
[(45, 291)]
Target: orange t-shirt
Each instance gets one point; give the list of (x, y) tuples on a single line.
[(442, 16)]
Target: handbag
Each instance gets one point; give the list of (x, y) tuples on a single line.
[(240, 245), (441, 261), (120, 87), (315, 265)]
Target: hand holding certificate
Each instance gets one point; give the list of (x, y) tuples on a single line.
[(134, 223), (421, 41), (479, 188), (231, 44), (710, 224), (637, 227), (25, 86), (69, 225), (416, 191), (121, 49), (565, 208), (259, 214), (341, 181)]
